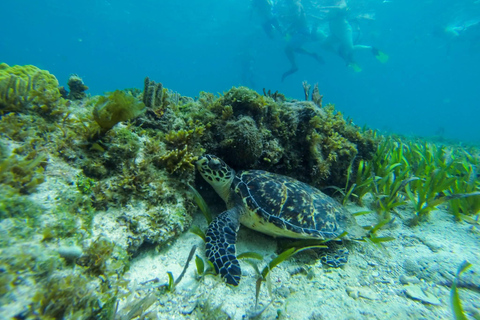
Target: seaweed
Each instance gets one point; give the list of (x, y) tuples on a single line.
[(197, 197), (263, 275), (456, 303), (185, 137), (364, 180), (171, 283), (200, 266), (85, 185), (425, 174), (134, 308), (196, 230), (465, 207), (245, 101), (178, 161), (116, 107)]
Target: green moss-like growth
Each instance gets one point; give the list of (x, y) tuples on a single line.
[(17, 206), (120, 145), (116, 107), (23, 173), (53, 302), (334, 144), (85, 185), (245, 101), (97, 255), (244, 140)]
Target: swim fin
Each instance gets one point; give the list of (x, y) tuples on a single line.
[(355, 67), (381, 56)]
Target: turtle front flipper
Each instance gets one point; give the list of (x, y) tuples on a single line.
[(220, 245)]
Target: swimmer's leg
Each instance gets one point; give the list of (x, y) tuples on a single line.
[(381, 56), (361, 46), (268, 28), (290, 53), (314, 55)]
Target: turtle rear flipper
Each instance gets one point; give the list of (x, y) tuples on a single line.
[(335, 256), (220, 248)]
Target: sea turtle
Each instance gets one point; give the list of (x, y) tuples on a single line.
[(269, 203)]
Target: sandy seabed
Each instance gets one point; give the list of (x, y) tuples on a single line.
[(410, 278)]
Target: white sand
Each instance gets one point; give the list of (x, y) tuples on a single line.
[(368, 287)]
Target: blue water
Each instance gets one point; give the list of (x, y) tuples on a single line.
[(429, 86)]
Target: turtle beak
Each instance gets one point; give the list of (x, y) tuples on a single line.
[(201, 159), (200, 162)]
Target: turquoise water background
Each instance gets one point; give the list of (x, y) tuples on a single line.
[(430, 85)]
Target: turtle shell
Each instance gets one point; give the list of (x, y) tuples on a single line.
[(281, 206)]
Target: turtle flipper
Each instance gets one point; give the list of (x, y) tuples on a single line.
[(220, 246), (335, 256)]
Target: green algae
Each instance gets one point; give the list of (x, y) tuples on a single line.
[(116, 107), (456, 303)]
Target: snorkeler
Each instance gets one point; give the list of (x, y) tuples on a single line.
[(467, 31), (264, 8), (341, 40), (297, 33)]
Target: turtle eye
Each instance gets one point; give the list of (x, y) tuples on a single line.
[(214, 164)]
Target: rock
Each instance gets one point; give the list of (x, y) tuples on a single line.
[(70, 253), (361, 292), (411, 267), (283, 292), (406, 279), (416, 293), (352, 292), (367, 294)]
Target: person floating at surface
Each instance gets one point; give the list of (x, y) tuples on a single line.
[(341, 40), (467, 31), (297, 34), (264, 9)]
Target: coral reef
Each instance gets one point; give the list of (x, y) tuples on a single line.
[(77, 88), (66, 170), (88, 184), (153, 95), (295, 138), (27, 86)]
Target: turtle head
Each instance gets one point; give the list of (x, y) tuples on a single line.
[(217, 173)]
